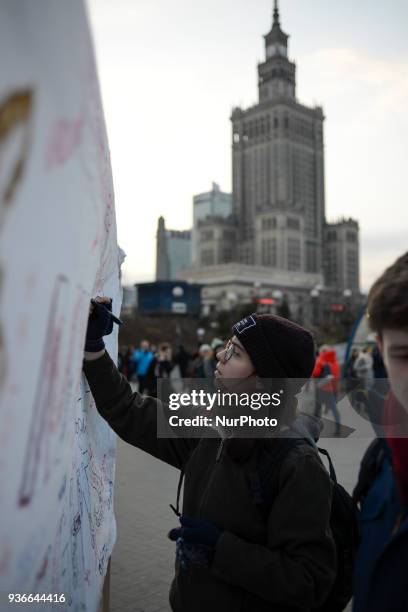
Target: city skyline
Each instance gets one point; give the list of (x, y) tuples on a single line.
[(168, 102)]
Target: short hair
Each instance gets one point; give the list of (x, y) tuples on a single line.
[(388, 297)]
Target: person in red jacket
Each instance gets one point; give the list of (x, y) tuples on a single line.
[(327, 374)]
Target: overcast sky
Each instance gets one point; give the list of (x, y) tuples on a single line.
[(171, 71)]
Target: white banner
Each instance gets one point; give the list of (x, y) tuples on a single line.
[(58, 248)]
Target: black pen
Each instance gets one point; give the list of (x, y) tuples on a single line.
[(115, 319)]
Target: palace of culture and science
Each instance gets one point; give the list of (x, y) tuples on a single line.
[(271, 237)]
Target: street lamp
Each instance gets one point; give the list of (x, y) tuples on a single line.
[(232, 299), (347, 317), (314, 294), (257, 288)]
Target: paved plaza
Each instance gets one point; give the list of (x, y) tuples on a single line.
[(143, 558)]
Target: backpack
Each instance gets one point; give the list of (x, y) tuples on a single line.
[(343, 517)]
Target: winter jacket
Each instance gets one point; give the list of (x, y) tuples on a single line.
[(381, 569), (283, 562), (142, 361), (328, 358)]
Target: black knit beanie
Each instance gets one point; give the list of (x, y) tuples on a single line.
[(278, 348)]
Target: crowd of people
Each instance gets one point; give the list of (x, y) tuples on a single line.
[(148, 363)]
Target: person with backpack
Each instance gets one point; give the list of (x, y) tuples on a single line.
[(380, 579), (255, 528)]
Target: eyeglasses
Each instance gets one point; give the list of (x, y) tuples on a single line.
[(227, 352)]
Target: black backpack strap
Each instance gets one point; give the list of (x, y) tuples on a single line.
[(332, 471), (176, 509)]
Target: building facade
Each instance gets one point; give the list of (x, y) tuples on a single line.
[(169, 297), (341, 255), (173, 251), (214, 204), (276, 235), (278, 168)]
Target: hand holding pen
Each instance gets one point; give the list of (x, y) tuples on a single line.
[(100, 323)]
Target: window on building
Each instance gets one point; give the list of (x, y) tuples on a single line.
[(206, 235), (226, 255), (269, 251), (331, 236), (268, 223), (207, 257), (245, 255), (311, 258), (351, 236), (292, 223), (293, 254), (275, 122)]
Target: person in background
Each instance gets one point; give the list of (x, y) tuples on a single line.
[(349, 370), (364, 369), (128, 364), (217, 345), (182, 359), (209, 362), (327, 375), (142, 359), (203, 366), (160, 367), (380, 582)]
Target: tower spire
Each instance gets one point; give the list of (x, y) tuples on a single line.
[(275, 13)]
